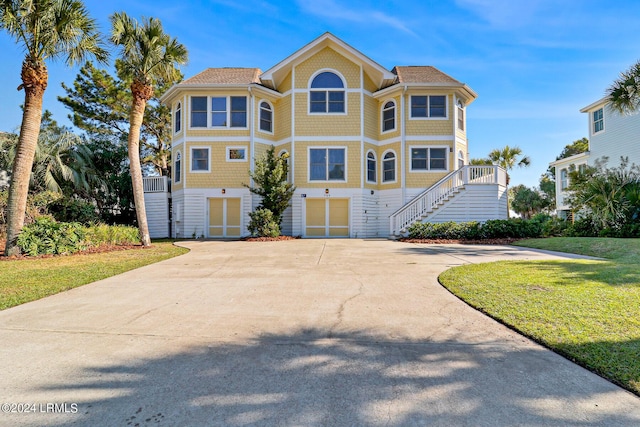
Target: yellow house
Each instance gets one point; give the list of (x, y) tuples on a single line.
[(366, 146)]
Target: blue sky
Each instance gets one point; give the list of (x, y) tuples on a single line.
[(533, 63)]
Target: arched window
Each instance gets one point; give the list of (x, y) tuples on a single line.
[(177, 118), (177, 168), (266, 117), (327, 94), (460, 159), (389, 167), (389, 116), (371, 167)]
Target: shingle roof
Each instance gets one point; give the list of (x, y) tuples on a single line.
[(228, 76), (422, 74)]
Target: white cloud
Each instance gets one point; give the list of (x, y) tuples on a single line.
[(332, 10)]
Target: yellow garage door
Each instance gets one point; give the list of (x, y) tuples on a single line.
[(224, 217), (327, 217)]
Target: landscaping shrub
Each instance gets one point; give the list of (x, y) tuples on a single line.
[(46, 236), (444, 230), (263, 223), (74, 210), (99, 234), (492, 229)]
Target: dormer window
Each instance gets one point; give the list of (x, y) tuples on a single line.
[(327, 94)]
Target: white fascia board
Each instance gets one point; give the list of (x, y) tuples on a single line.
[(599, 103), (208, 86), (571, 159)]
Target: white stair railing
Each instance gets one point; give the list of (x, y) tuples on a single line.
[(424, 203)]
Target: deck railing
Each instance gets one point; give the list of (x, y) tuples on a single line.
[(155, 184), (424, 203)]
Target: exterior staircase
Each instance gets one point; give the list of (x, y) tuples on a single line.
[(443, 193)]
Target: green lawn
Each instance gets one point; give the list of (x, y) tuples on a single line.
[(31, 279), (587, 310)]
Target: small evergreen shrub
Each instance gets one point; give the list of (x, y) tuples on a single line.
[(46, 236), (74, 210), (263, 223), (99, 234)]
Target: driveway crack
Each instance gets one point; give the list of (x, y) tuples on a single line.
[(340, 313)]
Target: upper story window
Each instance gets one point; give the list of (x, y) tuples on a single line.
[(371, 167), (460, 115), (198, 111), (460, 159), (327, 164), (199, 159), (327, 94), (219, 111), (266, 117), (236, 154), (389, 167), (177, 168), (177, 118), (389, 116), (598, 120), (432, 106), (428, 159), (564, 179)]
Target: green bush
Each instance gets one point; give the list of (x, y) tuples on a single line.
[(263, 224), (46, 236), (444, 230), (74, 210), (492, 229), (99, 234)]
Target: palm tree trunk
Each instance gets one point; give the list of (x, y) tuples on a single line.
[(34, 78), (135, 122)]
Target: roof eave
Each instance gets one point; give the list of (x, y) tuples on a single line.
[(598, 103), (168, 95)]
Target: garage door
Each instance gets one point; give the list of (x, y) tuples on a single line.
[(327, 217), (224, 217)]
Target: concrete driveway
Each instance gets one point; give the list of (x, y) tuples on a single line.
[(294, 333)]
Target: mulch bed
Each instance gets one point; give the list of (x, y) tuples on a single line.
[(505, 241), (269, 239), (93, 250)]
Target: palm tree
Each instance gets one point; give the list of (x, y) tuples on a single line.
[(507, 158), (46, 30), (624, 93), (148, 55)]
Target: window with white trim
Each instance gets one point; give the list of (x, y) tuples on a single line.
[(428, 159), (327, 164), (218, 112), (236, 154), (371, 167), (199, 159), (428, 106), (389, 167), (285, 155), (198, 111), (177, 168), (266, 117), (564, 179), (177, 118), (389, 116), (327, 94), (460, 159), (598, 120), (460, 115)]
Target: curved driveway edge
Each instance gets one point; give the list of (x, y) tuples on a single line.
[(301, 332)]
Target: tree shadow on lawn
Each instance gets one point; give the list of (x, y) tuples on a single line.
[(603, 272), (358, 378)]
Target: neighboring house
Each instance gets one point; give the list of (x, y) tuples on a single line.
[(611, 134), (365, 145)]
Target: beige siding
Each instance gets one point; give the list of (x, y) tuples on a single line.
[(282, 118), (328, 124), (223, 174), (327, 58), (371, 117), (285, 85), (369, 85)]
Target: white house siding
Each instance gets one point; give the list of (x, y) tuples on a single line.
[(157, 207), (621, 137), (473, 203), (389, 201)]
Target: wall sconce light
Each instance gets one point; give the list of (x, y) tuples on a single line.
[(451, 149), (224, 191), (372, 192), (326, 191)]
